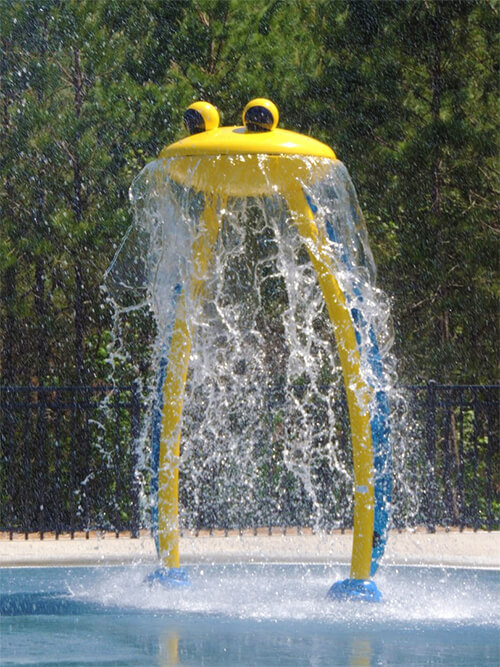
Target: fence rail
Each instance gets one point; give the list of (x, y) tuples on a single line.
[(460, 451), (67, 463), (69, 460)]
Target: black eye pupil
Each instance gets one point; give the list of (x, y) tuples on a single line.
[(194, 122), (258, 119)]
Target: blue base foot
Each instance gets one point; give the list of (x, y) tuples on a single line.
[(364, 590), (173, 577)]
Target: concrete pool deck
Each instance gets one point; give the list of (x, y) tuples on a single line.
[(442, 548)]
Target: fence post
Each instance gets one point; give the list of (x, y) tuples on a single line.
[(461, 466), (72, 462), (475, 462), (26, 486), (8, 457), (492, 447), (430, 476), (40, 459), (135, 406)]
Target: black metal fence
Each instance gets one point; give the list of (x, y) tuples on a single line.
[(457, 464), (69, 458)]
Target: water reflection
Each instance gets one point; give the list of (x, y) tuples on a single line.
[(361, 652), (168, 650)]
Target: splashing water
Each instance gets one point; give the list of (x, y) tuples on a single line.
[(265, 432), (248, 614)]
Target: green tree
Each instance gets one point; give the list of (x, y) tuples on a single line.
[(444, 203), (405, 92)]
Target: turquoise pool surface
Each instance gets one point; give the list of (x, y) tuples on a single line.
[(247, 615)]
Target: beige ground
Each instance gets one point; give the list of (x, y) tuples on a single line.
[(468, 548)]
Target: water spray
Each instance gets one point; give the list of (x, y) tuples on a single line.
[(192, 193)]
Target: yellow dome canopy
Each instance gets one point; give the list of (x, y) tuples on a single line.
[(246, 140)]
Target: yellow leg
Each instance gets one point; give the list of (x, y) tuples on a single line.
[(173, 392), (168, 472), (358, 393)]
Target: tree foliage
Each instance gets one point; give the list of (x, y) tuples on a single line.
[(405, 92)]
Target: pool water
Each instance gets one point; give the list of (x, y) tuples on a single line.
[(247, 615)]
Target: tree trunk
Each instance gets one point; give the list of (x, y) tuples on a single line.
[(9, 349), (436, 81), (42, 342), (78, 210), (40, 304), (436, 87), (79, 323), (8, 359)]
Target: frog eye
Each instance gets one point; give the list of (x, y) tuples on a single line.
[(260, 115), (200, 117)]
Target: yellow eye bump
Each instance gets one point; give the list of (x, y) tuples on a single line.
[(260, 115), (259, 135), (200, 117)]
